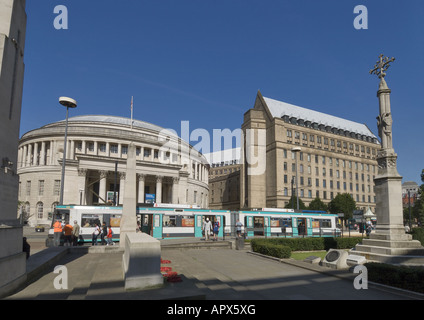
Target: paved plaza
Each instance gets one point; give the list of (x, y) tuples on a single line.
[(217, 273)]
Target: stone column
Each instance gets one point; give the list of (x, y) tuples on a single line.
[(129, 216), (43, 154), (141, 184), (175, 190), (82, 179), (121, 187), (102, 187), (159, 189), (24, 156), (36, 155)]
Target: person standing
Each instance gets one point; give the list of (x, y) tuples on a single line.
[(103, 233), (207, 227), (238, 228), (75, 233), (109, 237), (57, 229), (95, 234), (67, 229), (215, 230)]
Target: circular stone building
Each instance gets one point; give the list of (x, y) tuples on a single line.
[(169, 170)]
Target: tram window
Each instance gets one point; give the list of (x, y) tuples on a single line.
[(169, 221), (281, 222), (187, 221), (90, 220), (115, 220), (321, 223)]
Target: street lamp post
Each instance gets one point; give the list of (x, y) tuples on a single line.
[(296, 150), (68, 103)]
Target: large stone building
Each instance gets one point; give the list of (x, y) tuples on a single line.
[(334, 155), (224, 179), (13, 21), (169, 170)]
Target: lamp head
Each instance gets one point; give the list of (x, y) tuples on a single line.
[(68, 102)]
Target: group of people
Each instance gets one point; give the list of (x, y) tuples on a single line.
[(71, 234), (105, 233), (210, 229)]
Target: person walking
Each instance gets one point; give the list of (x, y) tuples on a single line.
[(95, 234), (109, 237), (207, 227), (75, 233), (67, 229), (238, 228), (57, 229), (103, 233), (215, 230)]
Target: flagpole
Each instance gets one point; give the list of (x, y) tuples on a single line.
[(132, 101)]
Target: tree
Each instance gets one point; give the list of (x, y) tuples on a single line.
[(293, 203), (317, 204), (343, 203)]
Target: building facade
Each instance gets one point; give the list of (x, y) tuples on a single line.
[(13, 20), (330, 155), (224, 179), (169, 170)]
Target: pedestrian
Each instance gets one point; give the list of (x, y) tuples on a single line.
[(368, 230), (215, 230), (207, 228), (238, 228), (57, 229), (95, 234), (75, 233), (109, 237), (26, 247), (67, 229), (103, 233)]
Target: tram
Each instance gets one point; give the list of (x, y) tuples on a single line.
[(163, 221)]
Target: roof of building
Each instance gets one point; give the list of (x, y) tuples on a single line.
[(229, 156), (280, 109), (119, 121)]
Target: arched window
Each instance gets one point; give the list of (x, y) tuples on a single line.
[(40, 210)]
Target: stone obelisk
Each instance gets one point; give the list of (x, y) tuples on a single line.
[(389, 243), (129, 216), (13, 21)]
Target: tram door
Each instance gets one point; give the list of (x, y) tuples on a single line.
[(301, 227), (146, 221)]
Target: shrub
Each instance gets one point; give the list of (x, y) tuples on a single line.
[(270, 249), (418, 234), (404, 277)]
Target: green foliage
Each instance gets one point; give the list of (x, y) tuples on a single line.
[(317, 204), (293, 203), (311, 244), (405, 277), (418, 234), (343, 203), (270, 249)]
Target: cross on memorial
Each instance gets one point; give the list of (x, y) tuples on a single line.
[(381, 66)]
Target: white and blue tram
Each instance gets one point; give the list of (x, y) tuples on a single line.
[(178, 221)]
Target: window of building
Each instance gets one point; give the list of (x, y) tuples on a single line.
[(56, 188), (41, 187), (28, 188), (113, 148), (102, 147), (40, 210)]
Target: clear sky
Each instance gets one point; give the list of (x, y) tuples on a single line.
[(203, 61)]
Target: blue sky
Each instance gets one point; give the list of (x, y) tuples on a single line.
[(204, 61)]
